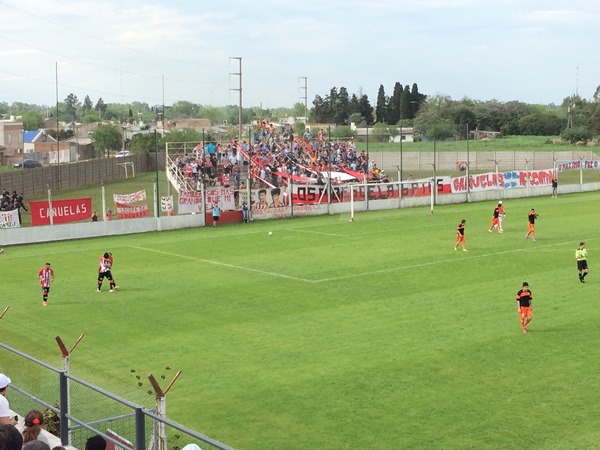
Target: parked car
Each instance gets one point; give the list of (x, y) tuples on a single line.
[(123, 153), (27, 164)]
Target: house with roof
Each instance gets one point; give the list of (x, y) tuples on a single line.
[(11, 141)]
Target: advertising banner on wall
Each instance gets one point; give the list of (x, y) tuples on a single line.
[(503, 180), (64, 211)]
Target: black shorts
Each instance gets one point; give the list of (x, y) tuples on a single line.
[(582, 265), (45, 289), (216, 218), (106, 274)]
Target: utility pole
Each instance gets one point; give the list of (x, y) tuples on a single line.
[(305, 97), (239, 74)]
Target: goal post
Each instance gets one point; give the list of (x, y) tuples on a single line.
[(422, 192)]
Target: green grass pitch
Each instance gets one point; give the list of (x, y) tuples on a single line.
[(335, 335)]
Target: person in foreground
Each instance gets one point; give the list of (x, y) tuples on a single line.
[(581, 257), (10, 438), (525, 308)]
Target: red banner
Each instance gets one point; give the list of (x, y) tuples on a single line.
[(64, 211), (130, 211)]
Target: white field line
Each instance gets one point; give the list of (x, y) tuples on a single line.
[(218, 263), (372, 272)]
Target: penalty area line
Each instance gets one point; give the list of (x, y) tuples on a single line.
[(231, 266)]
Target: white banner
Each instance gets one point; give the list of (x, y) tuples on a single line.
[(576, 165), (9, 219), (503, 180), (166, 203), (190, 202), (221, 195), (127, 199)]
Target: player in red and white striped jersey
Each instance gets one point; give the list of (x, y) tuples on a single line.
[(46, 276), (106, 262)]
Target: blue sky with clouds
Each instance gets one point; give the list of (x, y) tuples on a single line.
[(533, 51)]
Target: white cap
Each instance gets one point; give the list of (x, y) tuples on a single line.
[(4, 381), (500, 202), (191, 447)]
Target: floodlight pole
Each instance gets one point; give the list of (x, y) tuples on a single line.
[(239, 74)]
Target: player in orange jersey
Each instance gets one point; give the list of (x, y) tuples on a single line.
[(525, 308), (496, 218), (460, 235), (531, 218)]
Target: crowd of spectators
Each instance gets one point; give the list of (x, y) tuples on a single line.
[(10, 202), (273, 155)]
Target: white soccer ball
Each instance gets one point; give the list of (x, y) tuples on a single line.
[(270, 233)]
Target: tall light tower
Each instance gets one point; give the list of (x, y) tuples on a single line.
[(305, 97), (239, 74)]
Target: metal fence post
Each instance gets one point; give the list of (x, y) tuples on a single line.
[(64, 408), (140, 429)]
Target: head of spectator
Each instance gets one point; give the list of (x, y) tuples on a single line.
[(10, 438), (95, 443), (4, 382), (33, 425), (36, 445)]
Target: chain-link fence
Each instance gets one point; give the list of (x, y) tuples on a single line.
[(74, 409)]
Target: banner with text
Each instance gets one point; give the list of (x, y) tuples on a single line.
[(166, 203), (127, 199), (224, 196), (576, 165), (131, 211), (63, 211), (9, 219), (190, 202), (503, 180)]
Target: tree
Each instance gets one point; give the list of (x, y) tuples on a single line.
[(392, 115), (185, 135), (341, 107), (71, 105), (576, 134), (143, 143), (100, 107), (365, 109), (441, 130), (87, 105), (381, 105), (106, 138), (32, 120)]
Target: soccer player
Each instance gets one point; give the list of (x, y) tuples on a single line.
[(554, 187), (500, 216), (525, 308), (581, 257), (460, 235), (531, 217), (106, 262), (496, 218), (46, 276)]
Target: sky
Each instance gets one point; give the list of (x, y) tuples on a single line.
[(534, 51)]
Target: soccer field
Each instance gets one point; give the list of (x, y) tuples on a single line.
[(335, 335)]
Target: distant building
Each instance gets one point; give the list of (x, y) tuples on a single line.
[(11, 141)]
